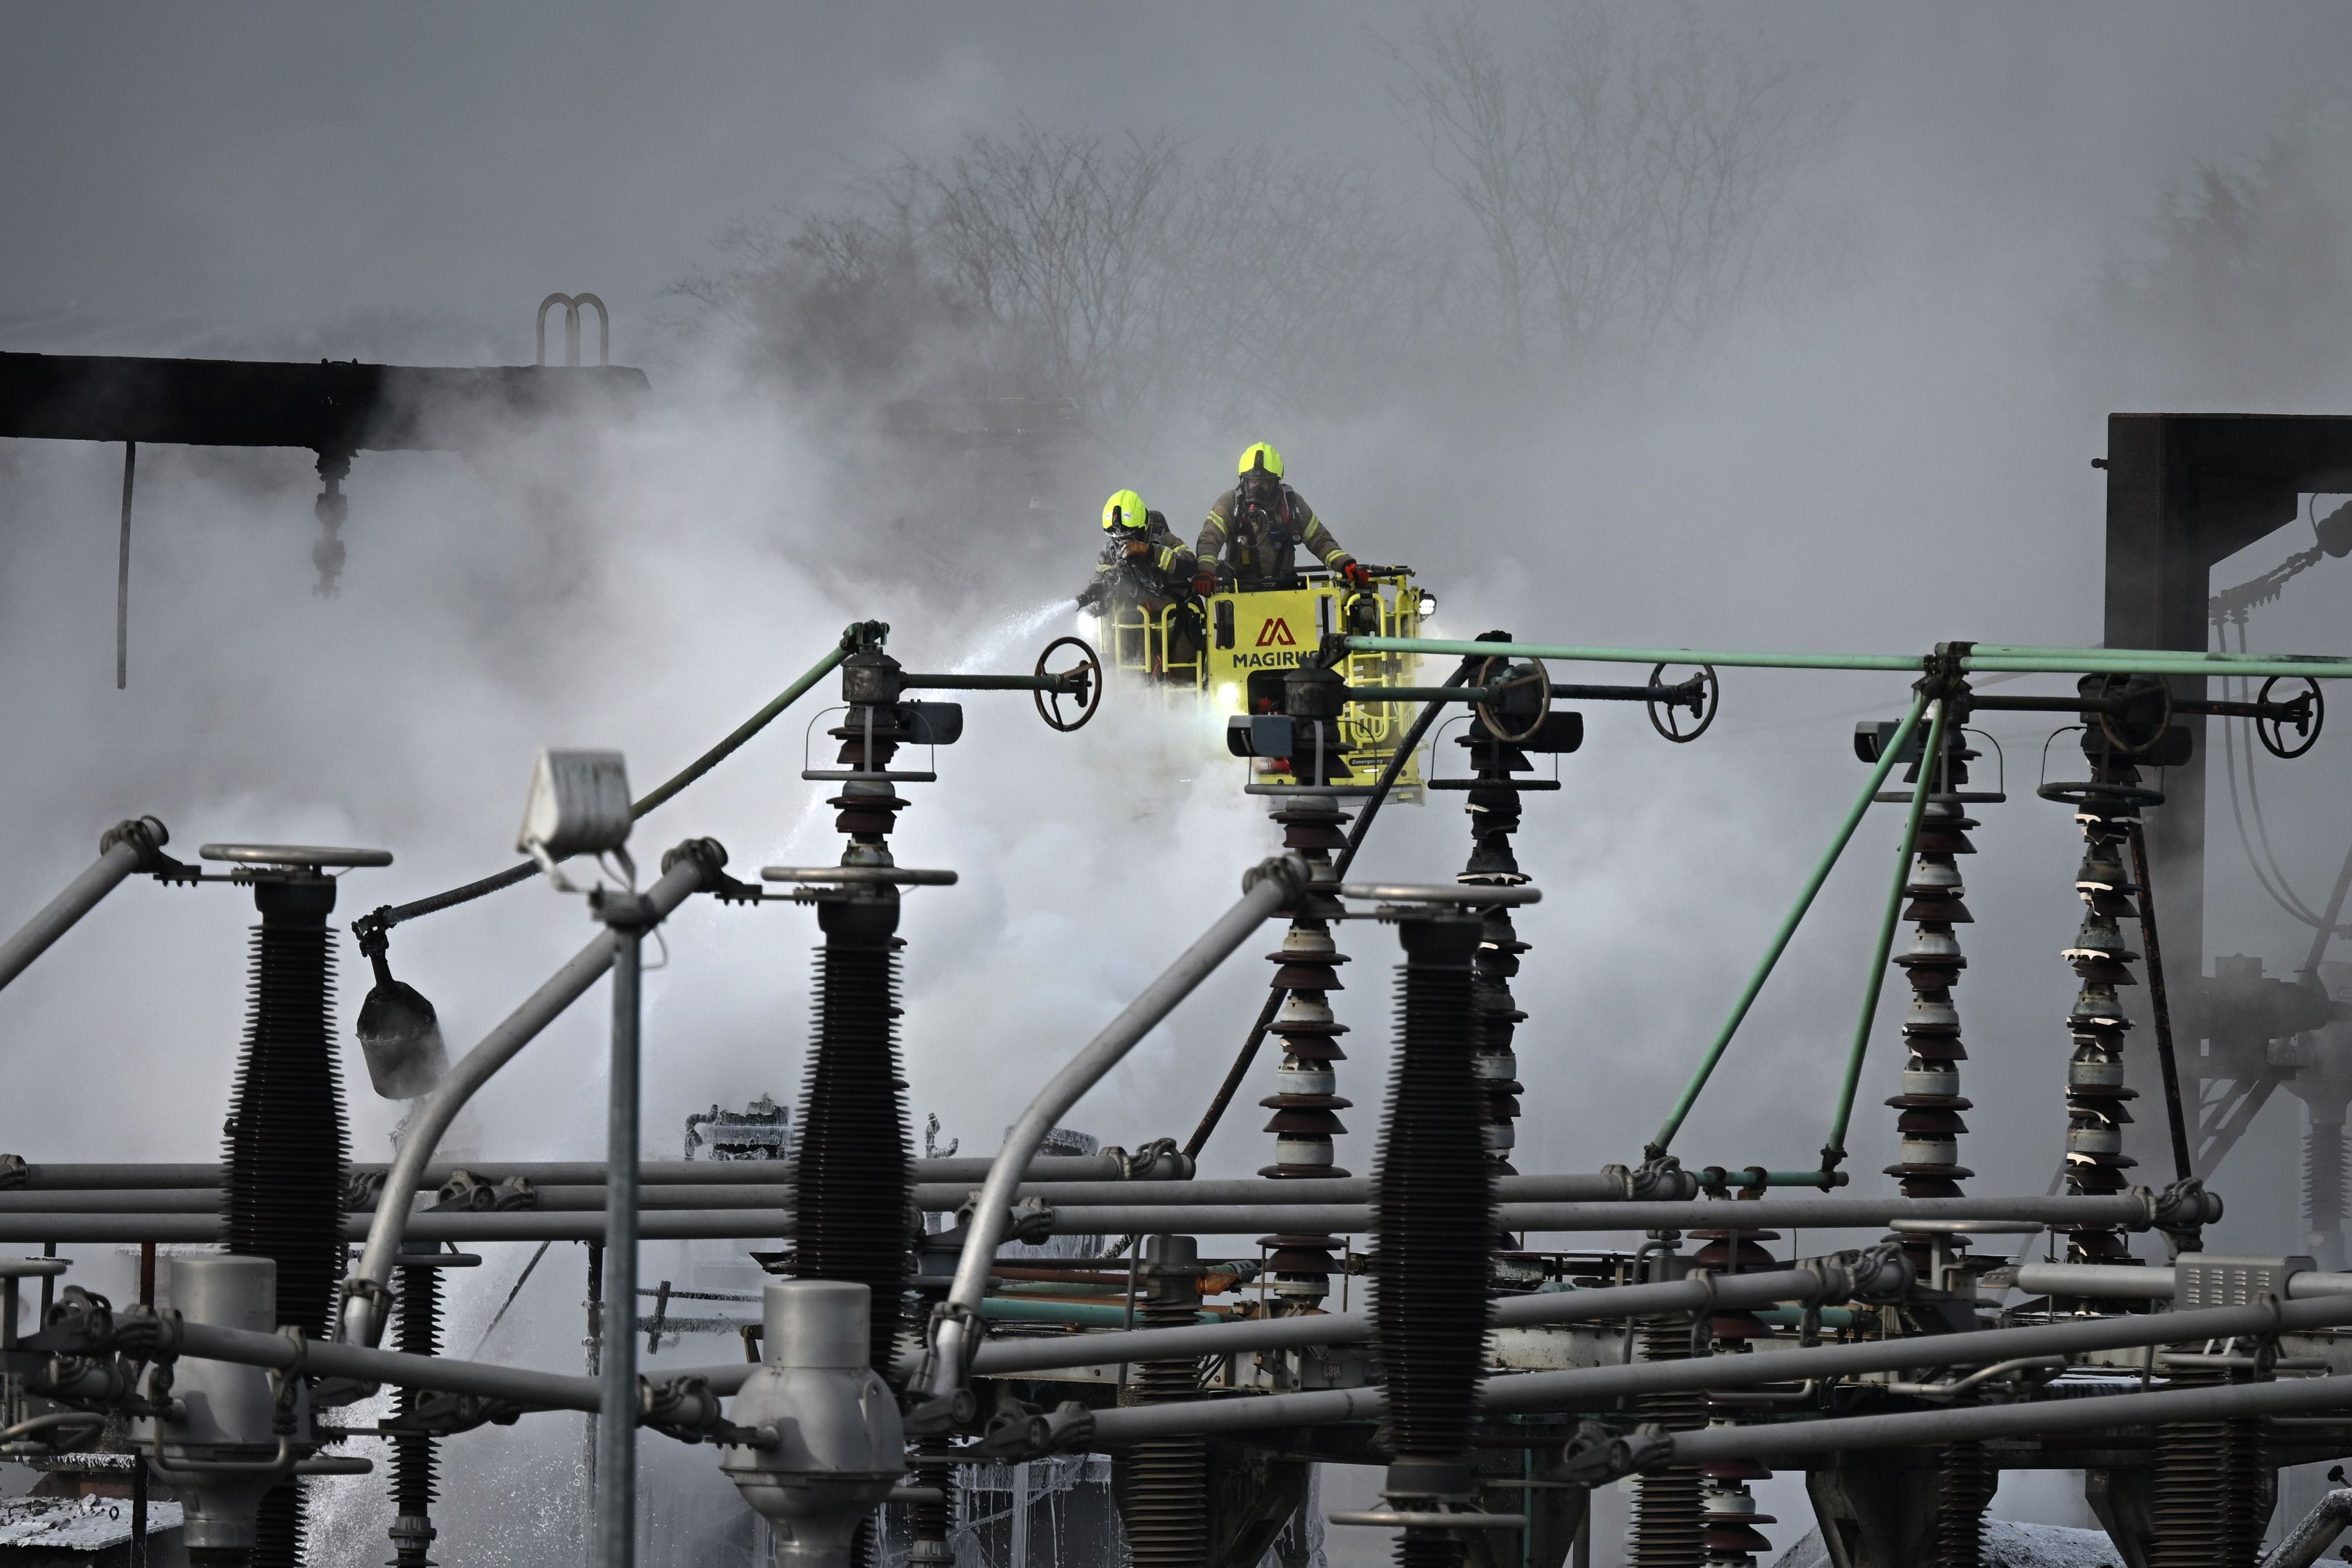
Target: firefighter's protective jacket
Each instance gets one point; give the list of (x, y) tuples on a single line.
[(1261, 543), (1156, 573)]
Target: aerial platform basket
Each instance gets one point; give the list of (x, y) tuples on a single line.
[(1234, 647)]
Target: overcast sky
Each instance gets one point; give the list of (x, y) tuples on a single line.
[(1897, 452)]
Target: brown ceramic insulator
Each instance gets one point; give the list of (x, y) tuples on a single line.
[(1719, 1254), (1928, 1120), (1728, 1537), (1306, 1101), (1300, 1256), (1312, 828), (1730, 1252)]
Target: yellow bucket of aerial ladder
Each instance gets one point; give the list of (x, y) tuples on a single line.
[(1234, 647)]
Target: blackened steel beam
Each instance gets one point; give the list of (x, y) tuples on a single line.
[(342, 407)]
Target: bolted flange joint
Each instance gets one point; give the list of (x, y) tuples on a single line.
[(2181, 1211), (1291, 870)]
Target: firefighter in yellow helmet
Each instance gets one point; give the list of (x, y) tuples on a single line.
[(1142, 561), (1144, 571), (1258, 528)]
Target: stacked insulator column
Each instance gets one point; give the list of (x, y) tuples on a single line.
[(2206, 1504), (1306, 1101), (1433, 1217), (2323, 1195), (413, 1464), (287, 1141), (853, 1182), (1728, 1536), (1728, 1532), (931, 1523), (1965, 1482), (1667, 1528), (1494, 809), (1165, 1494), (2095, 1094), (1929, 1107)]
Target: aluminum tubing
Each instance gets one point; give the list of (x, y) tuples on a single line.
[(362, 1318), (1936, 1427), (1586, 1386), (540, 1390), (546, 1200), (1758, 1213), (58, 915), (1129, 1423), (456, 1224), (2106, 1282), (1001, 1357), (1583, 1385), (2095, 1280), (939, 1196), (52, 1177), (1276, 883)]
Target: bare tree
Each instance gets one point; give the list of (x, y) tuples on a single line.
[(2241, 270), (1120, 273), (1626, 180), (1056, 237)]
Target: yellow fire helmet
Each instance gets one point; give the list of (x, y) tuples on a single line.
[(1260, 455), (1123, 510)]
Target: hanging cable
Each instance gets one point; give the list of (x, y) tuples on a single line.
[(2268, 872)]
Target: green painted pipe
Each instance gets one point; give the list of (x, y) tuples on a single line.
[(2128, 655), (746, 729), (1909, 662), (1985, 659), (1780, 938), (2159, 664), (1084, 1314), (1931, 758)]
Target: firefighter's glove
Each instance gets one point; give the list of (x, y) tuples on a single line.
[(1354, 573), (1204, 584), (1136, 547)]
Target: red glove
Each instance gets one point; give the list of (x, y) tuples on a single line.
[(1138, 547), (1204, 583), (1355, 573)]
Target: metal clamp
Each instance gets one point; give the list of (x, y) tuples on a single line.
[(281, 1464), (1021, 1431), (1598, 1453)]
